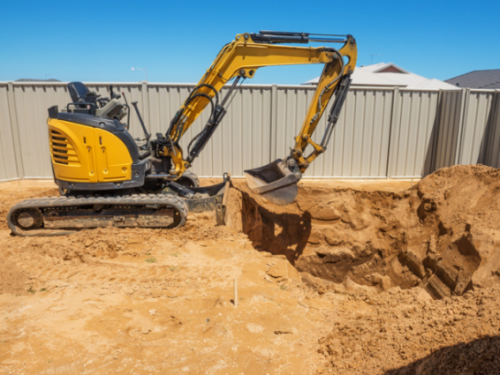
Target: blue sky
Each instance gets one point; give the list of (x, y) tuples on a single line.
[(177, 41)]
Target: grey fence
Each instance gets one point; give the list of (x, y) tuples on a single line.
[(381, 133)]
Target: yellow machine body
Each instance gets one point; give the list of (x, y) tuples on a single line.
[(84, 154)]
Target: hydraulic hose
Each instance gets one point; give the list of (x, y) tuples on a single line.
[(189, 99), (327, 87), (205, 85)]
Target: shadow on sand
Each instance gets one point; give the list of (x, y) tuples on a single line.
[(478, 357)]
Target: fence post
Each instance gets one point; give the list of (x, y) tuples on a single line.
[(14, 123), (435, 133), (464, 109), (394, 134), (496, 121), (274, 122), (492, 133), (145, 105)]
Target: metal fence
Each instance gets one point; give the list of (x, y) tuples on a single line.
[(381, 133)]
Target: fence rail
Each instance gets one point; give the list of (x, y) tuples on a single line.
[(381, 132)]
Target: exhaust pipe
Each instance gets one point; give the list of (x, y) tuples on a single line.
[(274, 181)]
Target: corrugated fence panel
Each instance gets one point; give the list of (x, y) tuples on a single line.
[(382, 111), (415, 116), (8, 168), (492, 152), (243, 139), (290, 113), (359, 143), (32, 102), (371, 135), (449, 128), (380, 132), (479, 113), (164, 101)]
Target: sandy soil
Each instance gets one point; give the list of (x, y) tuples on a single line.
[(356, 277)]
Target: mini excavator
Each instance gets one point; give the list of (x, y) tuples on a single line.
[(106, 178)]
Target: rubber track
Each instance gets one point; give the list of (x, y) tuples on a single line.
[(125, 200)]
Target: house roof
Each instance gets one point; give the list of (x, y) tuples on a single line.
[(384, 74), (37, 80), (361, 77), (478, 79), (380, 67)]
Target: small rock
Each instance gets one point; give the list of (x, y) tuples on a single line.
[(155, 293), (152, 311), (127, 290), (314, 237), (278, 270)]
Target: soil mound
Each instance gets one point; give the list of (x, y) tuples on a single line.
[(442, 234), (400, 332)]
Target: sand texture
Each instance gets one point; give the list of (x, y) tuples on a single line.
[(352, 278)]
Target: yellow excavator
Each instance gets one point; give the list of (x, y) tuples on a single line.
[(106, 178)]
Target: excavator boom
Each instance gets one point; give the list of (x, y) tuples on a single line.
[(240, 59)]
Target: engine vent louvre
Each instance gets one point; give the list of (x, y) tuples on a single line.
[(62, 150)]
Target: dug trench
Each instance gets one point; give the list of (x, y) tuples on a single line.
[(441, 234)]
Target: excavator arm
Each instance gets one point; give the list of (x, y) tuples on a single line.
[(240, 59), (335, 78)]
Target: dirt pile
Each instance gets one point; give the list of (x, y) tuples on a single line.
[(402, 332), (441, 234)]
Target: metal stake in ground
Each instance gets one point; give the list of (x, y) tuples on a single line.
[(235, 293)]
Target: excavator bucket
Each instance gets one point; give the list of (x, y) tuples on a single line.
[(274, 182)]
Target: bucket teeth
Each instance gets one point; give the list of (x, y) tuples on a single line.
[(273, 181)]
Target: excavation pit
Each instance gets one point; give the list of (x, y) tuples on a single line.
[(425, 236)]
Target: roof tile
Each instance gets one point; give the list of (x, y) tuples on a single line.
[(478, 79)]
